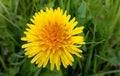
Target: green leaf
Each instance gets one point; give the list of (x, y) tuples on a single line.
[(13, 71), (82, 10), (50, 4), (46, 72), (28, 69), (81, 13)]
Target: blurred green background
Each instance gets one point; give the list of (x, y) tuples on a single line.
[(101, 54)]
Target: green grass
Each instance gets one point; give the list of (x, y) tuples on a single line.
[(101, 54)]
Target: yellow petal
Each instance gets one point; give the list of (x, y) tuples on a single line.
[(30, 37), (68, 55), (58, 64), (30, 26), (24, 39), (77, 39), (74, 52), (39, 60), (46, 58), (31, 44), (52, 61), (77, 30), (45, 62), (32, 52), (40, 64), (63, 61), (36, 57), (57, 60), (71, 24), (73, 47)]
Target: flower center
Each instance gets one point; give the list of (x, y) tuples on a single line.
[(55, 35)]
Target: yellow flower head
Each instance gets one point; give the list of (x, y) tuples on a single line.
[(52, 38)]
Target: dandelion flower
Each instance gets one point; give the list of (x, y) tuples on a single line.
[(52, 38)]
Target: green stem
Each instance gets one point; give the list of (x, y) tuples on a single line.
[(61, 4), (88, 62), (10, 22), (95, 64), (3, 64), (108, 72)]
